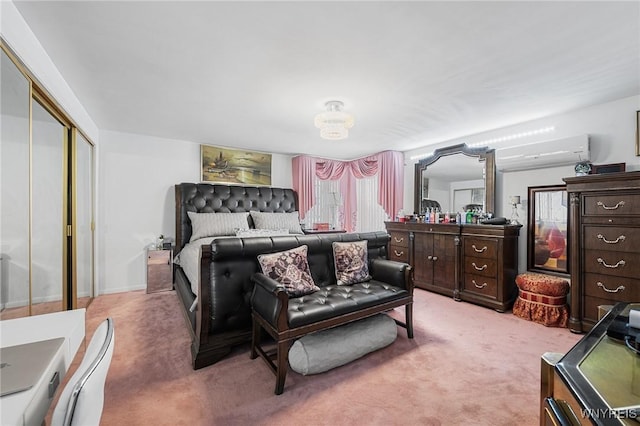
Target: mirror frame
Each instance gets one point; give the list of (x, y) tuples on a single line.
[(483, 154), (531, 231)]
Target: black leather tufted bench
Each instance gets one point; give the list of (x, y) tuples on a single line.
[(287, 319)]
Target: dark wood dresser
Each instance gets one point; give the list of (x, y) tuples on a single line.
[(604, 244), (474, 263)]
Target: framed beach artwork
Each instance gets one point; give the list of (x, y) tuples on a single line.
[(235, 166)]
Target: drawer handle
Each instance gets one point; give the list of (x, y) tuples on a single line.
[(603, 263), (479, 269), (616, 241), (435, 258), (479, 251), (398, 253), (478, 286), (602, 286), (429, 257), (398, 240), (618, 204)]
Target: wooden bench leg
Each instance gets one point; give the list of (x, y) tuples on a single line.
[(255, 337), (282, 365), (408, 311)]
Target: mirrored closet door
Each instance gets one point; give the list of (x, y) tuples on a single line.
[(15, 100), (46, 204), (83, 182), (48, 141)]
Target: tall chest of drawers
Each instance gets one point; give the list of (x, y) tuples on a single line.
[(604, 244)]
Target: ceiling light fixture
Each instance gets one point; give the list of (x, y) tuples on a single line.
[(334, 124)]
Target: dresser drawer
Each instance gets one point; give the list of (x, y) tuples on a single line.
[(479, 284), (479, 266), (481, 248), (399, 239), (619, 289), (612, 205), (399, 253), (591, 307), (615, 238), (617, 263)]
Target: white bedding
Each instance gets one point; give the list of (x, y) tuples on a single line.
[(189, 256), (189, 261)]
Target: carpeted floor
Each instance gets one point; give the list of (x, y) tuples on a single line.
[(466, 365)]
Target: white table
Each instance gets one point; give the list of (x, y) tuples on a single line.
[(31, 406)]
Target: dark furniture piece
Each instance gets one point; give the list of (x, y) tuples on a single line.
[(604, 243), (474, 263), (286, 319), (596, 383), (220, 318)]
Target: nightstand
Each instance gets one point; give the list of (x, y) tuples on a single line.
[(159, 269)]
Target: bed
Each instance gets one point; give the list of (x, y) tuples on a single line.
[(220, 231)]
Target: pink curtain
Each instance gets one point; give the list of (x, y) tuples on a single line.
[(391, 182), (303, 170), (388, 164)]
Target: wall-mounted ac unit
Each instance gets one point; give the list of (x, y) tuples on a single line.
[(557, 152)]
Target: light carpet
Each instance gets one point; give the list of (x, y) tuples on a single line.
[(466, 365)]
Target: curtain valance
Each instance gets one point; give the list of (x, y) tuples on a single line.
[(388, 165)]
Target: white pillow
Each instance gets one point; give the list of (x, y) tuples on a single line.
[(216, 224), (261, 232), (290, 221)]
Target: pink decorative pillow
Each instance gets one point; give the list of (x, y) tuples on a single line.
[(351, 263), (291, 269)]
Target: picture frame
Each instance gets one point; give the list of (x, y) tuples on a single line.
[(637, 133), (597, 169), (234, 166), (548, 230)]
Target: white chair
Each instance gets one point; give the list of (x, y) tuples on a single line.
[(82, 399)]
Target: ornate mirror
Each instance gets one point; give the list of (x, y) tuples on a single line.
[(455, 178)]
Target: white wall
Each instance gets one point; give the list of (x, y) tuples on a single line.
[(137, 175), (611, 128), (25, 45)]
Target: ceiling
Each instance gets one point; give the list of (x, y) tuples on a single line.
[(254, 74)]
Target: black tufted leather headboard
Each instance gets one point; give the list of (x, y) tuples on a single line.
[(211, 198)]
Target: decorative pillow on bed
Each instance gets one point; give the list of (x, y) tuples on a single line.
[(216, 224), (261, 232), (290, 221), (291, 269), (351, 262)]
